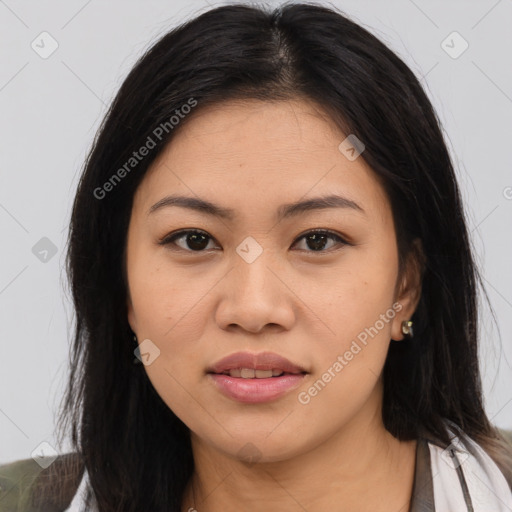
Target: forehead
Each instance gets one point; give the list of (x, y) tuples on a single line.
[(253, 152), (255, 129)]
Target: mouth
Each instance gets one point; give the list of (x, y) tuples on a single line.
[(254, 378), (251, 373), (248, 365)]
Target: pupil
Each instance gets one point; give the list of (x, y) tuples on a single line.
[(194, 243), (317, 243)]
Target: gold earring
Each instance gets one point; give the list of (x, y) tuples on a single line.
[(407, 328)]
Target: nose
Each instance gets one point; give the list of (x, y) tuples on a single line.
[(255, 297)]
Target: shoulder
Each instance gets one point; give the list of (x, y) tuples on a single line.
[(28, 486)]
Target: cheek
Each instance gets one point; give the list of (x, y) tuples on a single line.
[(358, 308), (167, 299), (351, 298), (349, 363), (171, 309)]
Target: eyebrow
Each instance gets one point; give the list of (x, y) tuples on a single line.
[(283, 212)]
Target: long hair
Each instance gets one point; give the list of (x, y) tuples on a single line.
[(136, 450)]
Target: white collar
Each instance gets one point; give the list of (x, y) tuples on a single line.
[(465, 478)]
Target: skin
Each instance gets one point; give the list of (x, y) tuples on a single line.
[(308, 305)]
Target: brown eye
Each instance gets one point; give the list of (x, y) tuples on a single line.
[(188, 240), (193, 240), (318, 239)]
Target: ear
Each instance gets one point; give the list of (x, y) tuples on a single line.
[(408, 289)]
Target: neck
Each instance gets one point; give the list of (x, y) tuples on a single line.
[(360, 467)]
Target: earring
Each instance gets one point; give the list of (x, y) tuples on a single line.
[(136, 359), (407, 328)]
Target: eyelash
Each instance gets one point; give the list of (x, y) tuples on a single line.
[(169, 239)]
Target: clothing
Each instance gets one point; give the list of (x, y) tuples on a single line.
[(78, 502), (460, 477)]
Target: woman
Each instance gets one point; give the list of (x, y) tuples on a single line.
[(274, 288)]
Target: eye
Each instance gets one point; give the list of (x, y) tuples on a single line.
[(317, 238), (194, 240)]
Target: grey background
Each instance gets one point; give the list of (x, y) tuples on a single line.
[(50, 110)]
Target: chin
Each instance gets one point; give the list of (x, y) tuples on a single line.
[(259, 448)]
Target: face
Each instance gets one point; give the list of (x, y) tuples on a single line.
[(258, 278)]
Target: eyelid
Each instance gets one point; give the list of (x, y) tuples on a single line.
[(323, 231), (169, 238)]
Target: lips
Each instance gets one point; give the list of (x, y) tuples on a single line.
[(262, 362), (255, 378)]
